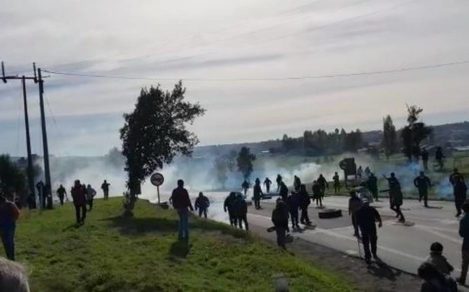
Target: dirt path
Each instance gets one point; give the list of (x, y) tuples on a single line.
[(366, 278)]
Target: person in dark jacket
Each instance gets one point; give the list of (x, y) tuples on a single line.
[(267, 183), (241, 211), (257, 194), (105, 188), (460, 192), (296, 183), (424, 154), (245, 186), (366, 219), (322, 184), (439, 157), (434, 281), (293, 203), (395, 196), (9, 213), (229, 206), (278, 180), (283, 192), (280, 220), (79, 201), (453, 176), (317, 194), (464, 233), (336, 180), (354, 204), (61, 193), (304, 201), (182, 202), (423, 183), (438, 260), (372, 185), (202, 203)]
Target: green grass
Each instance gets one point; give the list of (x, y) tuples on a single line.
[(112, 253)]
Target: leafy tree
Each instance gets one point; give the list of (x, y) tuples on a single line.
[(154, 133), (414, 133), (244, 161), (389, 142), (353, 141), (12, 179)]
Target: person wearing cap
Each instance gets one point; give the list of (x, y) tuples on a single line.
[(464, 233), (366, 219), (437, 259), (9, 213)]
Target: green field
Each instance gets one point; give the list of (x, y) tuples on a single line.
[(112, 253)]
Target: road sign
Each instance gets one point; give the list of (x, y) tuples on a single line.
[(157, 179)]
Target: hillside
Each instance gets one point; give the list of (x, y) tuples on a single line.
[(111, 253)]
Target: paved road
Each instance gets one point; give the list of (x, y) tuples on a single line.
[(404, 247)]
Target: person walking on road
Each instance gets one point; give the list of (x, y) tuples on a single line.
[(367, 217), (241, 212), (423, 183), (202, 203), (293, 204), (336, 180), (460, 192), (280, 220), (283, 192), (105, 188), (278, 180), (317, 194), (61, 193), (304, 202), (267, 183), (245, 187), (322, 184), (182, 202), (464, 233), (354, 204), (257, 190), (229, 206), (372, 186), (9, 213), (79, 202), (395, 196), (296, 183)]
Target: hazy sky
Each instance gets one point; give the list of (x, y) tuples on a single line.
[(231, 40)]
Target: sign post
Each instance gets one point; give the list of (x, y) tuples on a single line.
[(157, 180)]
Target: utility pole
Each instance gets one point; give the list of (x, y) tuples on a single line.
[(28, 140), (48, 185)]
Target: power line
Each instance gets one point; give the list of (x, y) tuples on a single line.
[(336, 75)]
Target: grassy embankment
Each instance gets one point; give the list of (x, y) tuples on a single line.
[(111, 253)]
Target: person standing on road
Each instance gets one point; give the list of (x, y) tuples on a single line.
[(424, 154), (280, 220), (90, 194), (304, 202), (202, 203), (459, 191), (229, 206), (257, 190), (278, 180), (453, 176), (296, 183), (423, 183), (464, 233), (354, 204), (267, 183), (9, 213), (366, 219), (293, 204), (181, 202), (61, 193), (336, 180), (245, 187), (372, 186), (105, 188), (79, 202), (283, 192), (317, 194), (395, 196), (241, 212), (322, 184)]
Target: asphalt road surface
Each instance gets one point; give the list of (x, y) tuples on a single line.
[(401, 246)]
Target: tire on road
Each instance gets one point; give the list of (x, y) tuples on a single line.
[(330, 213)]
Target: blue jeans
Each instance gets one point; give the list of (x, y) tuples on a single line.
[(183, 226), (8, 239)]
